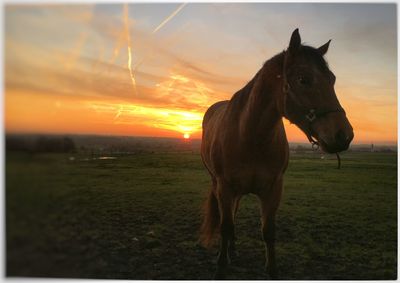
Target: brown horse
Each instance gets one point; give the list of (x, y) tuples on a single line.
[(244, 144)]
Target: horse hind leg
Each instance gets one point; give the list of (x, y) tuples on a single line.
[(226, 204), (211, 218)]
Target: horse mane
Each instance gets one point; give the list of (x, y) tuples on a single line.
[(270, 68), (313, 55)]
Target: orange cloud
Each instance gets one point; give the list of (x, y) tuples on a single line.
[(182, 73)]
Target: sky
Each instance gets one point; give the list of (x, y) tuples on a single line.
[(153, 69)]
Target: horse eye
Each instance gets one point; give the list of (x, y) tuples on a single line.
[(303, 80)]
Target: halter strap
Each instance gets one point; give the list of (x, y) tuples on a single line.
[(310, 114)]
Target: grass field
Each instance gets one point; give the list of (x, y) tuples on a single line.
[(137, 217)]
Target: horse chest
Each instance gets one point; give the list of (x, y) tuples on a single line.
[(251, 176)]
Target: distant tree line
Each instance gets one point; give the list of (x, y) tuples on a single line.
[(94, 145), (40, 144)]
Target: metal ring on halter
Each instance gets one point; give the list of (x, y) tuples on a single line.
[(314, 145), (311, 116)]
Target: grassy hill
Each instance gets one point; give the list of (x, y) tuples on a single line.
[(137, 217)]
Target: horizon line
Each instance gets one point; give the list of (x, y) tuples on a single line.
[(170, 137)]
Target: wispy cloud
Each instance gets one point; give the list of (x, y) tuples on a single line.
[(120, 66)]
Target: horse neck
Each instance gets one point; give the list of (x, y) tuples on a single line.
[(262, 110)]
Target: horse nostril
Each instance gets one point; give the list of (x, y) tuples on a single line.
[(341, 137)]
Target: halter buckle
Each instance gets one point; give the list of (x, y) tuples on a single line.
[(315, 146), (311, 115), (286, 88)]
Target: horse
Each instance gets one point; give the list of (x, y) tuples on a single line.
[(244, 145)]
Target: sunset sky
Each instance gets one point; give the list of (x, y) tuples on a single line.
[(153, 69)]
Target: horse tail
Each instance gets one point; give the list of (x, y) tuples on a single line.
[(211, 220)]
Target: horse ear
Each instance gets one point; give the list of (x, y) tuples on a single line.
[(324, 48), (295, 41)]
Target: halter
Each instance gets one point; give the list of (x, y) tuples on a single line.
[(310, 114)]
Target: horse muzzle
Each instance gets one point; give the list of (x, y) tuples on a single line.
[(339, 142), (334, 132)]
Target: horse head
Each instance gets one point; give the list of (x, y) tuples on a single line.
[(310, 100)]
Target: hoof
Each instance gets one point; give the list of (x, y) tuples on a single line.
[(233, 254), (220, 274), (273, 274), (271, 271)]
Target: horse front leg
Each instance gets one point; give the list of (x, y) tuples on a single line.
[(269, 205), (268, 232), (225, 203), (232, 245)]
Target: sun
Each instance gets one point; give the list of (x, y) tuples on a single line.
[(186, 136)]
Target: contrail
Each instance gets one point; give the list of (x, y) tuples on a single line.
[(174, 13), (169, 17), (101, 51), (138, 64), (128, 39), (121, 108), (117, 48), (76, 52)]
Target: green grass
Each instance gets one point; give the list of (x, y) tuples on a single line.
[(137, 217)]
